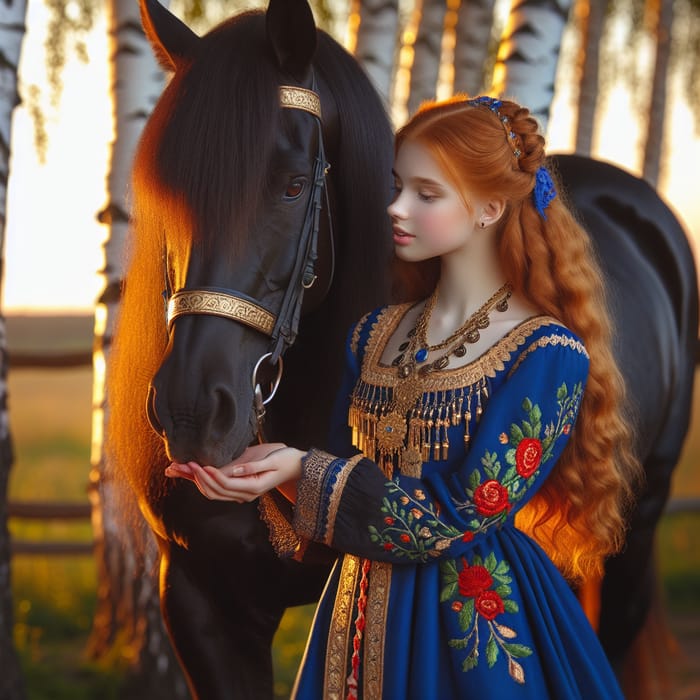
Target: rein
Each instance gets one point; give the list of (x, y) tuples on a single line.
[(282, 328)]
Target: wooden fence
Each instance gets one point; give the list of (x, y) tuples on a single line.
[(43, 510), (39, 510)]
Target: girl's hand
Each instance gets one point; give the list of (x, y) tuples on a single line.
[(258, 470)]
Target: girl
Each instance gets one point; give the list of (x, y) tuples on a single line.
[(479, 465)]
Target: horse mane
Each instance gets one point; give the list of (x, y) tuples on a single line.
[(189, 135), (363, 181)]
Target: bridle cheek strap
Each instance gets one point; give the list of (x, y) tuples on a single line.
[(303, 276), (237, 306)]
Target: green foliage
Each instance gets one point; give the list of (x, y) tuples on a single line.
[(288, 647), (54, 597), (54, 602), (69, 22), (679, 560)]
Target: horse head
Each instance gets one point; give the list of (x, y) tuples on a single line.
[(230, 175)]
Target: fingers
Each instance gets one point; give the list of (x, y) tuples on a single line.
[(210, 482), (182, 471), (254, 473), (217, 485)]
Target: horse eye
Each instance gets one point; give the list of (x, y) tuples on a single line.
[(294, 189)]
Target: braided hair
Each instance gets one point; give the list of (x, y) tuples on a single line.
[(486, 146)]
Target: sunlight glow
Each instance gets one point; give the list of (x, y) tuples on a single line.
[(53, 242), (52, 238)]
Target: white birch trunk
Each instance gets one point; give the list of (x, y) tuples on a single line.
[(427, 52), (128, 604), (373, 38), (653, 149), (528, 55), (12, 30), (474, 30)]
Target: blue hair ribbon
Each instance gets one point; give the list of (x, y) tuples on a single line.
[(544, 191)]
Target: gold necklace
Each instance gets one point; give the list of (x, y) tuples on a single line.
[(416, 350)]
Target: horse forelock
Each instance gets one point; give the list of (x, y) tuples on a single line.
[(361, 174), (215, 140), (200, 172)]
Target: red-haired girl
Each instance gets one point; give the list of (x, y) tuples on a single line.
[(483, 465)]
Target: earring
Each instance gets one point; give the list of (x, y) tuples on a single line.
[(482, 224)]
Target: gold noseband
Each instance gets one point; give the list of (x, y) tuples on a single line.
[(216, 303)]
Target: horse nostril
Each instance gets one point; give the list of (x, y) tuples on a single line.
[(223, 415), (151, 411)]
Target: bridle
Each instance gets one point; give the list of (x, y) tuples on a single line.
[(281, 327)]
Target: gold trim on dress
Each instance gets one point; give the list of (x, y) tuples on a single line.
[(340, 631), (403, 422), (336, 495), (282, 536), (544, 341), (375, 629), (355, 339)]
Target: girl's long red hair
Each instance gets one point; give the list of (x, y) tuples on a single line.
[(579, 514)]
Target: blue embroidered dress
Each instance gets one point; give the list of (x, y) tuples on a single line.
[(439, 595)]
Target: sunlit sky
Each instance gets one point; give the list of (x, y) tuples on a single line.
[(53, 240)]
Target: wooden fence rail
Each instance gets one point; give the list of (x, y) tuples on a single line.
[(42, 510), (39, 510), (26, 360)]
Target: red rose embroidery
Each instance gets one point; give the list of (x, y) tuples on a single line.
[(468, 536), (489, 604), (527, 456), (389, 521), (491, 498), (388, 546), (473, 580), (405, 538)]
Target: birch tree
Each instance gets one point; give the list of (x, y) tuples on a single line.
[(591, 19), (12, 30), (372, 38), (427, 51), (661, 19), (473, 36), (128, 609), (528, 55)]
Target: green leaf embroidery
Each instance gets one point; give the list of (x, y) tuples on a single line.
[(470, 621), (491, 651)]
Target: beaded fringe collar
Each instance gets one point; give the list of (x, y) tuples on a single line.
[(402, 427)]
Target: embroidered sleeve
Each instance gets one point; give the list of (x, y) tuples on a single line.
[(519, 439), (318, 494)]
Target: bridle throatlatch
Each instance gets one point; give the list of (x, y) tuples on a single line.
[(282, 328)]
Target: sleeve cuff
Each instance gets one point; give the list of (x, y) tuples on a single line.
[(278, 518), (318, 494)]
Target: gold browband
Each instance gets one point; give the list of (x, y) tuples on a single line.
[(220, 304), (300, 98)]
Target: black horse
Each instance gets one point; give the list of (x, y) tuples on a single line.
[(653, 290), (233, 203), (228, 191)]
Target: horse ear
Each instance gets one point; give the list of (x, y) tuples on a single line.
[(291, 31), (172, 40)]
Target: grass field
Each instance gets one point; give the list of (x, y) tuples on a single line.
[(54, 597)]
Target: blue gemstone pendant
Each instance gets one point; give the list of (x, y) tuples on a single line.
[(421, 355)]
